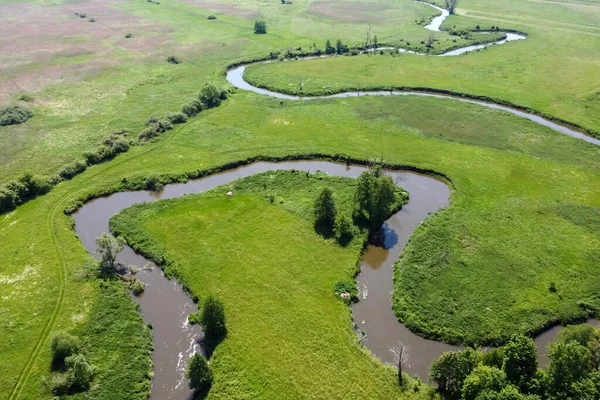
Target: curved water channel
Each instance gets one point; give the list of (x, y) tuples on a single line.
[(235, 76), (166, 306)]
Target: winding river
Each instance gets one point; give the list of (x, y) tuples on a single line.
[(235, 76), (166, 305)]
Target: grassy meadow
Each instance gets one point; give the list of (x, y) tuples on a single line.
[(554, 71), (289, 336), (525, 199)]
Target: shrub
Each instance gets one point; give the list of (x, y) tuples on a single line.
[(260, 27), (342, 287), (26, 97), (13, 115), (173, 60), (82, 15), (194, 318), (70, 170), (153, 183), (63, 345), (198, 373), (128, 35), (211, 17), (211, 95), (137, 286), (79, 372), (92, 20), (343, 229), (60, 384), (192, 108), (176, 117), (155, 127), (212, 319), (118, 144)]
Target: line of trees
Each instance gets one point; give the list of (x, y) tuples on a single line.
[(512, 372)]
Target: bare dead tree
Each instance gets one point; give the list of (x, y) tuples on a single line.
[(401, 354), (430, 41), (451, 5)]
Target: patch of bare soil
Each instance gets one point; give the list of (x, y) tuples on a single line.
[(349, 11), (43, 45)]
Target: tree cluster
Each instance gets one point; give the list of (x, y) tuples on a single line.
[(74, 373), (18, 191), (375, 199), (512, 373), (328, 221)]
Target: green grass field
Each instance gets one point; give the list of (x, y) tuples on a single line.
[(525, 199), (286, 327)]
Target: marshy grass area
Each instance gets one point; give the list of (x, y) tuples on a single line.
[(517, 249)]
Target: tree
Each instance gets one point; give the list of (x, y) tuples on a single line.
[(198, 373), (212, 319), (451, 5), (328, 48), (325, 210), (339, 46), (401, 354), (451, 369), (430, 41), (483, 378), (374, 198), (210, 95), (343, 229), (260, 27), (520, 362), (109, 246), (63, 345), (375, 41), (569, 363)]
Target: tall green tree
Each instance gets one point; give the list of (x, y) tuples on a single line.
[(212, 320), (520, 362), (569, 363), (109, 247), (339, 46), (210, 95), (198, 373), (451, 369), (483, 378), (260, 27), (325, 210)]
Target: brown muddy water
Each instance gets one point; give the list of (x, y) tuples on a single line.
[(166, 305)]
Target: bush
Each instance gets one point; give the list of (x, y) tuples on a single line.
[(128, 35), (26, 97), (154, 128), (198, 373), (92, 20), (343, 229), (137, 286), (70, 170), (176, 117), (192, 108), (82, 15), (173, 60), (211, 17), (260, 27), (154, 184), (211, 95), (63, 345), (13, 115), (342, 287), (79, 372), (194, 318)]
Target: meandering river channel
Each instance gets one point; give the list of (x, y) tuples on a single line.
[(166, 305)]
